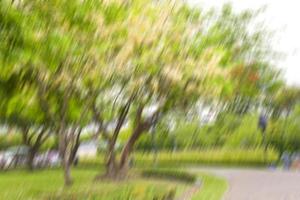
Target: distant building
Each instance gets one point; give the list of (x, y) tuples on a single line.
[(88, 149)]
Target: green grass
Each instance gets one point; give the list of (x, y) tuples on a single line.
[(213, 157), (222, 157), (212, 187), (48, 184)]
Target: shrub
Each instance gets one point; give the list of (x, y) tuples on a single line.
[(170, 174), (223, 157), (229, 157), (9, 140)]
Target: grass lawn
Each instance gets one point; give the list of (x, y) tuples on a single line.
[(48, 184), (212, 187)]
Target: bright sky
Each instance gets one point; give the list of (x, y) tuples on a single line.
[(284, 17)]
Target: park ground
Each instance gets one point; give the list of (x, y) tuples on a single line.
[(216, 183), (173, 173), (48, 184), (175, 176)]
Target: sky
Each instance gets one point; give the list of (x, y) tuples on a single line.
[(283, 16)]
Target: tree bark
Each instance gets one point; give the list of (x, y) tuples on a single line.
[(68, 157), (30, 160), (64, 158), (34, 144), (141, 126), (67, 173), (111, 167), (124, 160), (112, 170)]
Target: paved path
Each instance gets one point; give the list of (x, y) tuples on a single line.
[(259, 184)]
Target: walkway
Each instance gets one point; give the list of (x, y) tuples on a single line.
[(259, 184)]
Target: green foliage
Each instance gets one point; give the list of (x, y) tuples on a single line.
[(70, 64), (170, 174), (246, 135), (229, 130), (187, 136), (10, 140), (223, 157), (114, 12), (15, 139), (160, 141), (283, 134)]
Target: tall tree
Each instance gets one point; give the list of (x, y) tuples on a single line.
[(168, 66)]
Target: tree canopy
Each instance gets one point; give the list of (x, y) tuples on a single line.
[(65, 65)]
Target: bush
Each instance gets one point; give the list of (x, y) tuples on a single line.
[(170, 174), (229, 157), (222, 157), (246, 135), (9, 140)]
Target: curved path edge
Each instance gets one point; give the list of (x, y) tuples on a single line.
[(258, 184)]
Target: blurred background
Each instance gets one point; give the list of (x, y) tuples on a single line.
[(132, 94)]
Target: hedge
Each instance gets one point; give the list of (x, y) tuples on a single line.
[(177, 175), (228, 157)]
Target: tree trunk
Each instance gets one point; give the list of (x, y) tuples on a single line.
[(140, 127), (30, 159), (111, 167), (112, 171), (64, 158), (124, 160), (67, 173)]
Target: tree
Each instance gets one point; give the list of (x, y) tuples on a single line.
[(283, 128), (166, 66), (118, 62), (54, 53), (19, 107)]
